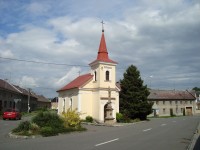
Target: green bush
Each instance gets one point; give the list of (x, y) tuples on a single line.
[(34, 128), (88, 119), (48, 119), (48, 131), (23, 126), (119, 117)]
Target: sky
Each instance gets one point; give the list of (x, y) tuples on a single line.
[(45, 44)]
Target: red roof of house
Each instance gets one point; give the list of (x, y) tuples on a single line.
[(78, 82), (103, 53)]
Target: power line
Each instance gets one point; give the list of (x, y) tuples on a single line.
[(40, 62), (48, 63)]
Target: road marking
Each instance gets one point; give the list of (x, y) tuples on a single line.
[(107, 142), (147, 130), (163, 124)]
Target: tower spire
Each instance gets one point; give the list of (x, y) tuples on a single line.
[(102, 52)]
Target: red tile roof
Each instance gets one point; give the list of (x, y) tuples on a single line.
[(78, 82), (103, 53)]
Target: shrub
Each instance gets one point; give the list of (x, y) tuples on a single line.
[(48, 119), (48, 131), (23, 126), (119, 117), (88, 119), (71, 118), (136, 120), (34, 128)]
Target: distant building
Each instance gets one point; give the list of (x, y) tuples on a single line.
[(13, 96), (54, 103), (43, 102), (167, 102)]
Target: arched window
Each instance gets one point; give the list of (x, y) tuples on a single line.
[(95, 76), (107, 75)]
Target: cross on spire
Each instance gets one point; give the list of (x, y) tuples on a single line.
[(102, 25)]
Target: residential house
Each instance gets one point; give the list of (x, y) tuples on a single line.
[(168, 102), (13, 96)]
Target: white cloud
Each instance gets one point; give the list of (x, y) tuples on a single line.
[(37, 8), (160, 37), (71, 74), (27, 81), (6, 53)]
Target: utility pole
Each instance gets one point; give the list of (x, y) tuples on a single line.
[(29, 99)]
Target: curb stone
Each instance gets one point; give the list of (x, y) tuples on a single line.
[(194, 138), (11, 135), (114, 125)]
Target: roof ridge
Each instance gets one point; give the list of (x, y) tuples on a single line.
[(14, 87)]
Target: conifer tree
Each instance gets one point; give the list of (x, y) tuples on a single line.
[(133, 95)]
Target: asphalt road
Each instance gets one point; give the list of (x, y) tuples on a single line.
[(157, 134)]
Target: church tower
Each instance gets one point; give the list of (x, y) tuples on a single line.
[(106, 93), (103, 68)]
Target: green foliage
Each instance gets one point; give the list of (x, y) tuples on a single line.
[(49, 123), (88, 119), (196, 89), (71, 118), (133, 95), (119, 117), (23, 126), (26, 128), (122, 118), (48, 119), (48, 131), (34, 128)]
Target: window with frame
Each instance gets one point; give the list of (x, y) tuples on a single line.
[(170, 102), (163, 102), (164, 111), (107, 75), (181, 110), (176, 110), (190, 102), (157, 102), (176, 102)]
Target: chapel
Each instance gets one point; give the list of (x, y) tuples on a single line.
[(93, 94)]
